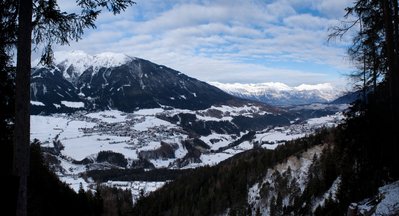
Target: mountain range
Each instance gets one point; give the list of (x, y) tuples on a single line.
[(280, 94), (78, 80)]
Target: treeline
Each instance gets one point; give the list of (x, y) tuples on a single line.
[(212, 190), (111, 157), (136, 174)]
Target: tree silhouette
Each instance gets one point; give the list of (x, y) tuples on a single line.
[(50, 26), (375, 49)]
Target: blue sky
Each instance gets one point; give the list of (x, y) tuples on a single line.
[(245, 41)]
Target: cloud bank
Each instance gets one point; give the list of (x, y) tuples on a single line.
[(249, 41)]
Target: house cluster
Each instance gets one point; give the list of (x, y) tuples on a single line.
[(137, 138)]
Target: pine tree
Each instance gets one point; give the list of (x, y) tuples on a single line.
[(50, 26), (7, 38), (376, 49), (22, 103)]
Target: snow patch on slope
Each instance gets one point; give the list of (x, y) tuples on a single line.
[(331, 193), (294, 169), (73, 104), (37, 103), (386, 202)]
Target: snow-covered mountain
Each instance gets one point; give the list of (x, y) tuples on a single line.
[(117, 81), (280, 94)]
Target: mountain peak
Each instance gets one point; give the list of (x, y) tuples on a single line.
[(78, 61), (81, 61)]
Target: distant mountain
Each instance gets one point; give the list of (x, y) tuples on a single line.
[(118, 81), (281, 94)]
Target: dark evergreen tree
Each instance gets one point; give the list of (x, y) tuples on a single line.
[(7, 93), (50, 26), (375, 47), (47, 195), (368, 50), (22, 103)]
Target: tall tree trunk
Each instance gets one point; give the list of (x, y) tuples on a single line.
[(22, 103), (396, 26), (396, 78), (392, 78), (395, 36), (375, 71), (396, 46), (364, 62), (389, 35)]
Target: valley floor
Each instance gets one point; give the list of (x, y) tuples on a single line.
[(75, 138)]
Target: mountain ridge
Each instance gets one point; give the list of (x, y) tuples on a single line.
[(117, 81), (280, 94)]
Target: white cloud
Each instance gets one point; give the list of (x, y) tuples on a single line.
[(227, 40), (308, 21), (332, 8), (279, 9)]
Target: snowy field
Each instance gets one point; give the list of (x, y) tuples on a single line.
[(84, 135)]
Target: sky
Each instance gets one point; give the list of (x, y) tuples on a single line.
[(228, 41)]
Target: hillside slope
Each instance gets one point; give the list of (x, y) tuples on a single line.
[(223, 189), (301, 177)]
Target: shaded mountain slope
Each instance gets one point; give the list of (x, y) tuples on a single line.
[(117, 81)]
